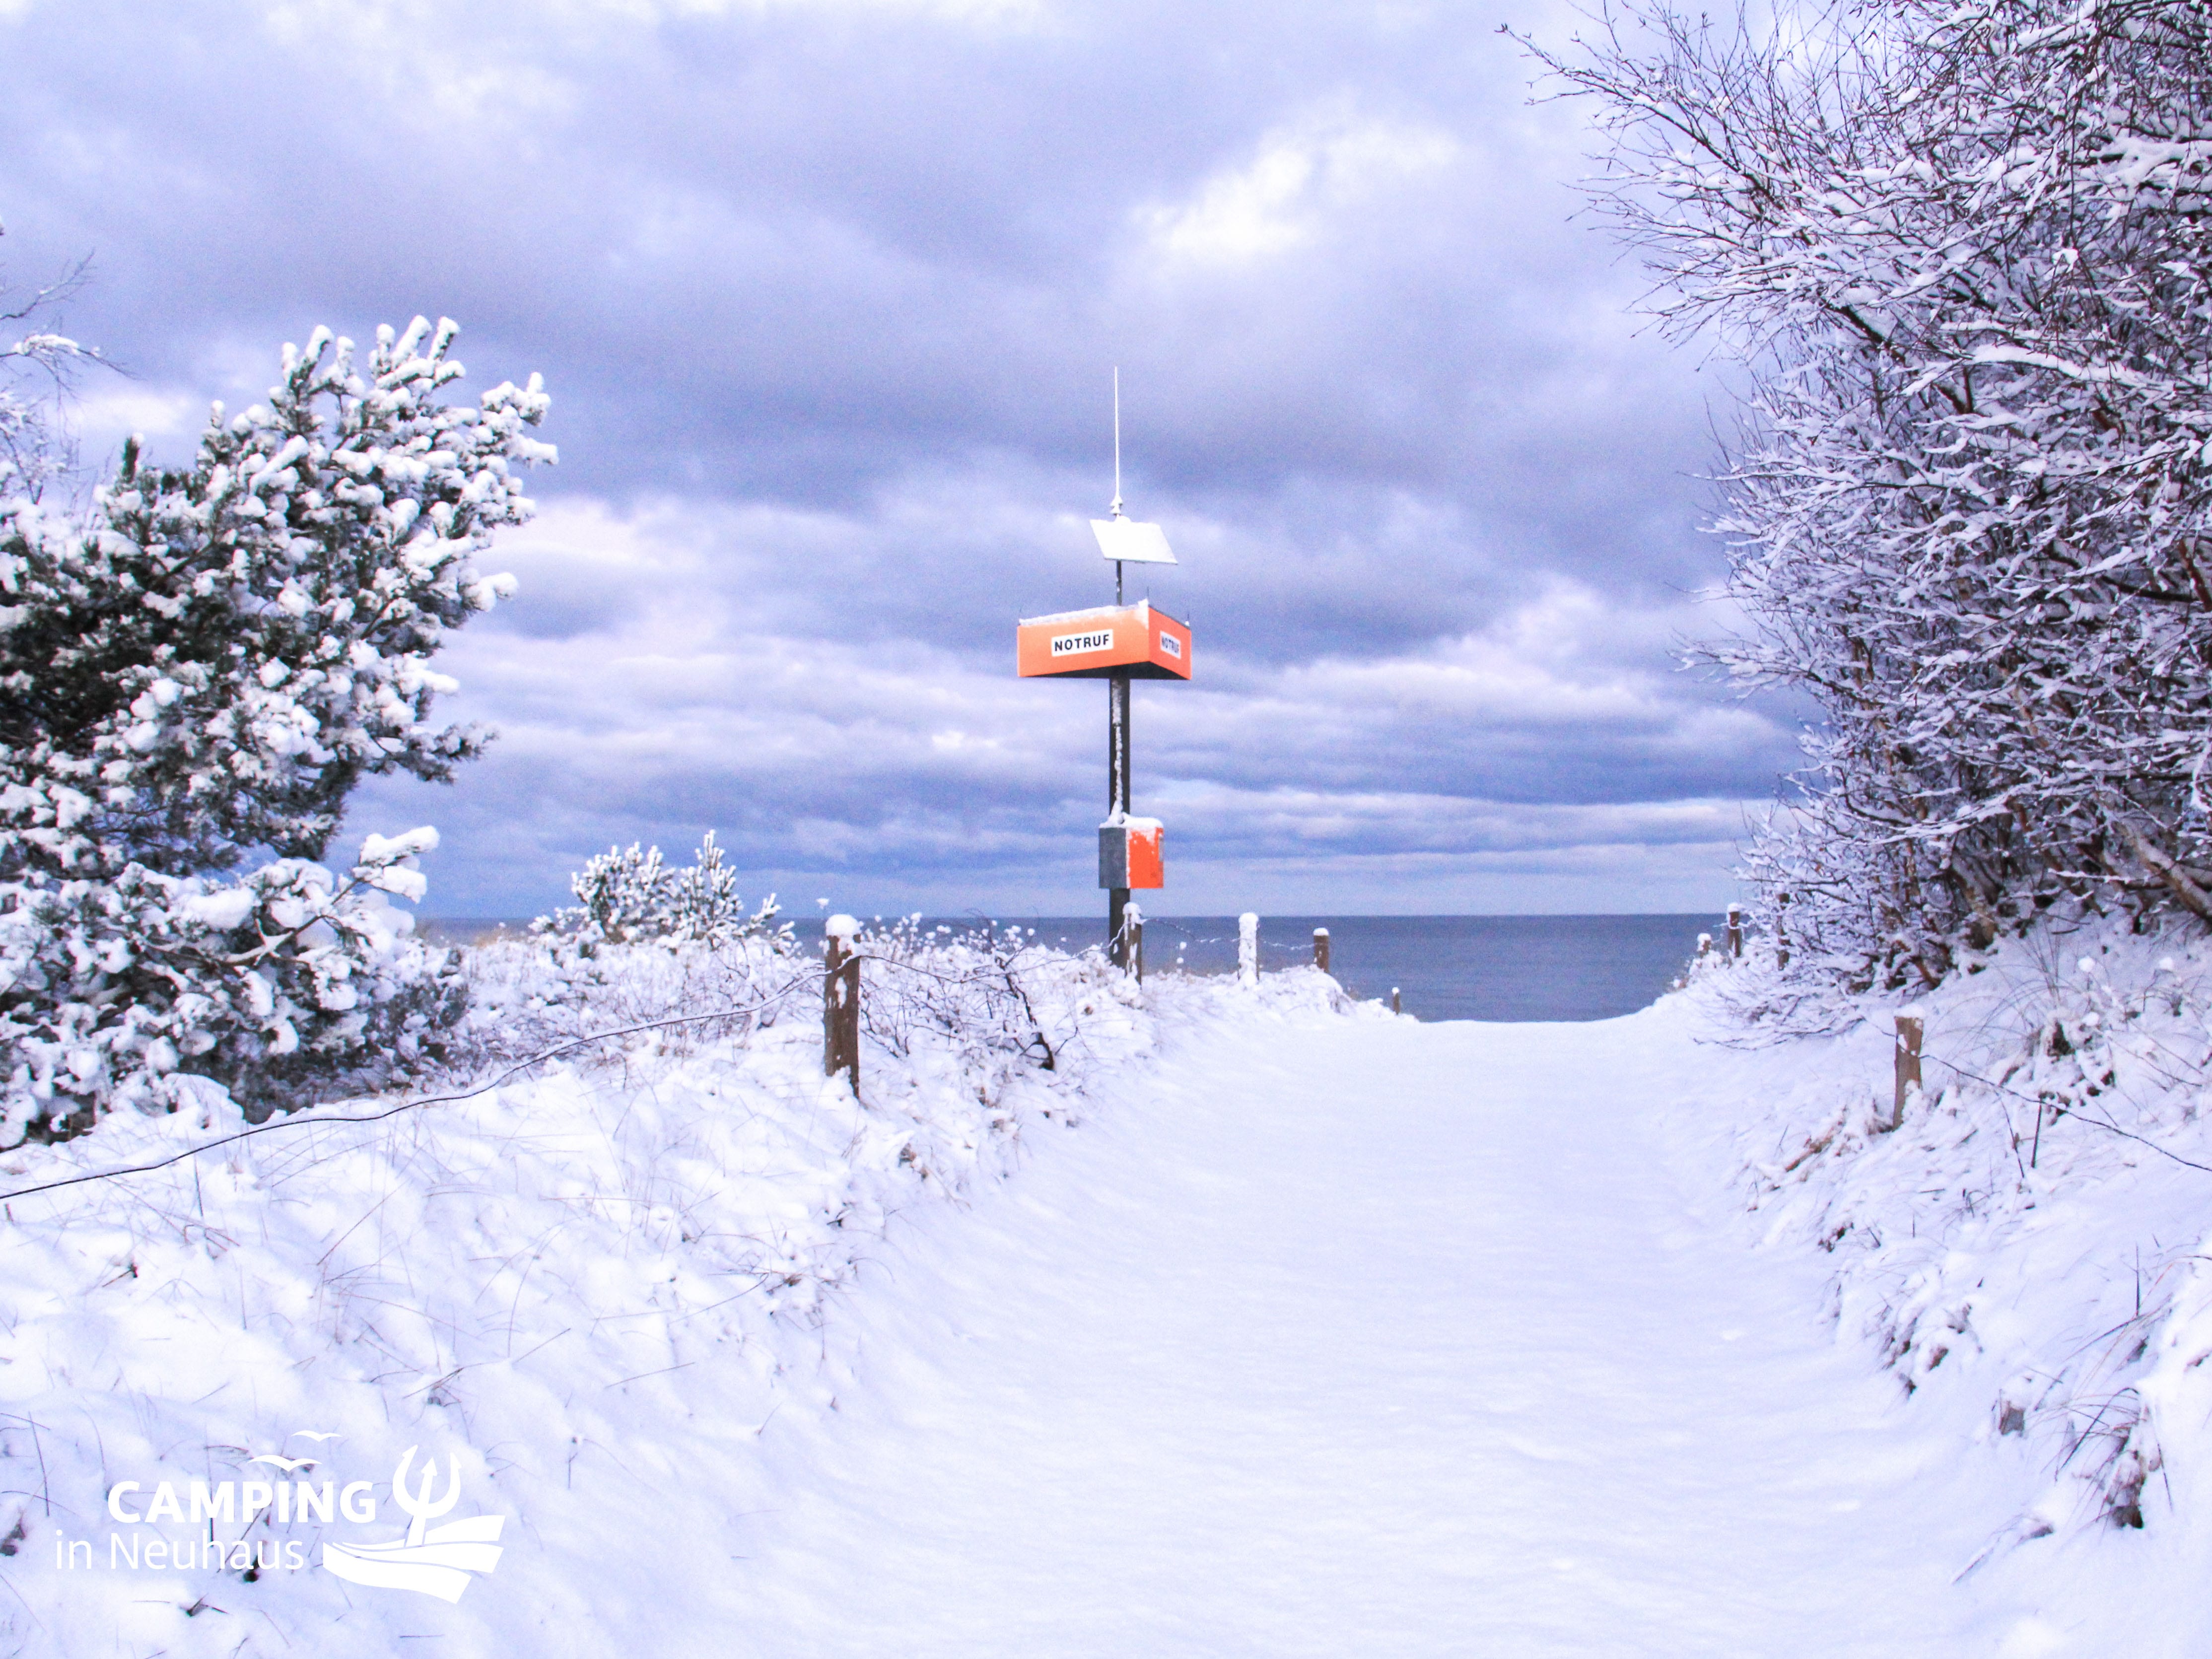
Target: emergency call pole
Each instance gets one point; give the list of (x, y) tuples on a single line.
[(1118, 643), (1117, 806)]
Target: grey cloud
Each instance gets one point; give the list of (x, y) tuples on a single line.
[(827, 296), (881, 763)]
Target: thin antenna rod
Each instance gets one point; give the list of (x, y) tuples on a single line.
[(1117, 441), (1117, 472)]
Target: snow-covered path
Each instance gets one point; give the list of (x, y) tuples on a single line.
[(1356, 1339)]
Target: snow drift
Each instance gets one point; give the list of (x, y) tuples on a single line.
[(581, 1295), (2026, 1248)]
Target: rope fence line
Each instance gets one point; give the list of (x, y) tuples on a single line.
[(302, 1117), (841, 1032), (307, 1115)]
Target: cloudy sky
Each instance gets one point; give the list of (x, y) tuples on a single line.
[(829, 294)]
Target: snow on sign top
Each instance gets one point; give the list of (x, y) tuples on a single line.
[(1131, 542)]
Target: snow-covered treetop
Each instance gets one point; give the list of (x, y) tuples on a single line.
[(1966, 256), (210, 659)]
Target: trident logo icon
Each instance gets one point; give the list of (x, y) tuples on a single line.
[(419, 1506), (429, 1560)]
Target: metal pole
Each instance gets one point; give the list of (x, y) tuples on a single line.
[(1117, 806), (1117, 441)]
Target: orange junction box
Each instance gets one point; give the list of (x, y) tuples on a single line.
[(1129, 852), (1094, 645)]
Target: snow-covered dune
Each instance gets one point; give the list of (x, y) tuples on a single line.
[(1262, 1322), (589, 1291)]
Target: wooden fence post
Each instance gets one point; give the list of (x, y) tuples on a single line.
[(1133, 922), (1704, 946), (1394, 1007), (1735, 930), (1247, 949), (1321, 949), (841, 1000), (1781, 930), (1910, 1029)]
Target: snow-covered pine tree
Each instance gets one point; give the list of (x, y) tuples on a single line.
[(194, 674), (1963, 253), (630, 896)]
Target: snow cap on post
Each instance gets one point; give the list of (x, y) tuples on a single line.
[(840, 926)]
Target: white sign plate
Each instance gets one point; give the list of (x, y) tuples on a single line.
[(1128, 540)]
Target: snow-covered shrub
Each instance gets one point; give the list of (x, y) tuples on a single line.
[(195, 672), (979, 989), (528, 995), (117, 989), (620, 896), (631, 896), (2026, 1247), (992, 1003), (1965, 256)]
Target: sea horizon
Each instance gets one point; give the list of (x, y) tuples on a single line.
[(1516, 966)]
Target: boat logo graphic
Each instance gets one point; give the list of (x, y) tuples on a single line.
[(438, 1561)]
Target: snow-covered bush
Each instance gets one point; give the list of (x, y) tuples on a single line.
[(195, 672), (2025, 1247), (118, 988), (528, 995), (1965, 256), (994, 1000), (979, 989), (631, 896)]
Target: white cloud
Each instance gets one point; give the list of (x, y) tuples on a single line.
[(821, 286), (668, 700), (1299, 175), (107, 411), (986, 15)]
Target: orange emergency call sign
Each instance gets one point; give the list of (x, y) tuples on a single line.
[(1135, 640), (1129, 852)]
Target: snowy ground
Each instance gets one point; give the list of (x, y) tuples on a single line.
[(1381, 1340), (1295, 1331), (1389, 1338)]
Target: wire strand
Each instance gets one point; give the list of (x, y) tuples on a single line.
[(295, 1120)]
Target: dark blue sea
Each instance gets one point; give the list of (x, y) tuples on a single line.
[(1495, 968)]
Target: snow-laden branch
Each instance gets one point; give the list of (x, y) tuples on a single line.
[(1967, 256)]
